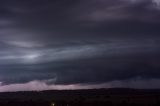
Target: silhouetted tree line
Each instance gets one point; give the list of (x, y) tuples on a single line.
[(75, 103), (25, 103), (102, 97)]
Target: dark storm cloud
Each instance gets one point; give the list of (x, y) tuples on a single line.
[(79, 41), (88, 64)]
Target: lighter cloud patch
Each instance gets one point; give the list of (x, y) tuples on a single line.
[(155, 3), (24, 44), (30, 56), (38, 85), (102, 10), (44, 55)]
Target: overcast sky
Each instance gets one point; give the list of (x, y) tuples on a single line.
[(75, 44)]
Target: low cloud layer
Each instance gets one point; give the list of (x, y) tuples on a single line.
[(42, 85)]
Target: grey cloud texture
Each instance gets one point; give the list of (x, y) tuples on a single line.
[(78, 42)]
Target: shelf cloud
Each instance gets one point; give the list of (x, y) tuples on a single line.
[(79, 44)]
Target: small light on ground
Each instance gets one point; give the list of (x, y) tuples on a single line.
[(53, 104)]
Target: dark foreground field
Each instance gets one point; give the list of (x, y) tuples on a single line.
[(95, 97)]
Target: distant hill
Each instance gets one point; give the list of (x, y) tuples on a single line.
[(101, 96)]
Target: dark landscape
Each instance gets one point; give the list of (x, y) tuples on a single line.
[(92, 97), (79, 52)]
